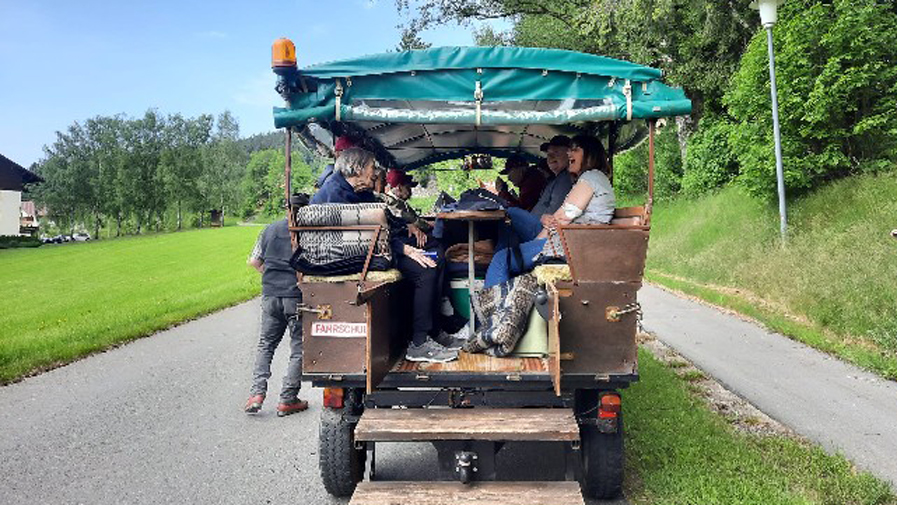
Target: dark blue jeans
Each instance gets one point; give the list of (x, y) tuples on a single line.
[(505, 265), (278, 315)]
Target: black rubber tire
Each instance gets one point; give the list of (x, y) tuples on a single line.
[(602, 462), (341, 464)]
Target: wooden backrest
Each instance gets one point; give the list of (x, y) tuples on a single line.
[(609, 253)]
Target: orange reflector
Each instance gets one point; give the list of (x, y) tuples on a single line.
[(283, 53), (333, 398), (609, 407)]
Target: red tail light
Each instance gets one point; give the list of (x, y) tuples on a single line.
[(609, 407), (333, 398)]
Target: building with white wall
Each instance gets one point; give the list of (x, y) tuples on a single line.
[(13, 179)]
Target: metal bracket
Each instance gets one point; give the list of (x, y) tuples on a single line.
[(478, 96), (323, 311), (614, 314), (338, 91)]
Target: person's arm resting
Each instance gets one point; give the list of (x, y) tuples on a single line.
[(575, 203)]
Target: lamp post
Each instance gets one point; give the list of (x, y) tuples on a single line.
[(768, 17)]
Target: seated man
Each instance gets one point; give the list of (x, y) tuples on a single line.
[(529, 180), (559, 182), (355, 174), (590, 201)]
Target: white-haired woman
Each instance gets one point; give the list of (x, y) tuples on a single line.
[(353, 179)]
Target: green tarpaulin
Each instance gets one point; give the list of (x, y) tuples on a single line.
[(420, 106)]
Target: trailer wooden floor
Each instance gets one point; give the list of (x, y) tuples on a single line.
[(477, 363)]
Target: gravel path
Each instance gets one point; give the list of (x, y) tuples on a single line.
[(841, 407), (159, 421)]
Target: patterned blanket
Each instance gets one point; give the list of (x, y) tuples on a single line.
[(321, 251), (503, 311)]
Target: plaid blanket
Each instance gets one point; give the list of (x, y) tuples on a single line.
[(503, 311), (320, 249)]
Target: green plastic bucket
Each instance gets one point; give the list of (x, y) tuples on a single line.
[(460, 296)]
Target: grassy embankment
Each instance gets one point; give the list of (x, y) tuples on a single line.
[(833, 287), (679, 452), (62, 302)]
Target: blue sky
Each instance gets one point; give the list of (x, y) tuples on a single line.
[(66, 61)]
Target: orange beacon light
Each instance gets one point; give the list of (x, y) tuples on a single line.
[(283, 54)]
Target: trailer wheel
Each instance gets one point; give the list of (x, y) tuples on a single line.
[(602, 462), (341, 464)]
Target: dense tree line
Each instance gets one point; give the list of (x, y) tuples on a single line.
[(129, 175), (836, 78)]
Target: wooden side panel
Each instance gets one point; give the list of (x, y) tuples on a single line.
[(327, 354), (607, 254), (598, 346), (554, 340), (379, 358)]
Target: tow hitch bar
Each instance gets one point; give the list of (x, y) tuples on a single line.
[(465, 465)]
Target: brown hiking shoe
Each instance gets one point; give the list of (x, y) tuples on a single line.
[(285, 409), (254, 404)]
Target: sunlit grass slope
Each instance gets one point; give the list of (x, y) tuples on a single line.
[(835, 284), (679, 452), (62, 302)]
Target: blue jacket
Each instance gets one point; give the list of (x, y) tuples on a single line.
[(336, 189)]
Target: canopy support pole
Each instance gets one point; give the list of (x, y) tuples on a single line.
[(287, 184), (611, 150), (650, 206)]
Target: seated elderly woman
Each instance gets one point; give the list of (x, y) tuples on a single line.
[(590, 201), (353, 178)]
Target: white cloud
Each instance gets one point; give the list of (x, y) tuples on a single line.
[(319, 29), (211, 34), (259, 91), (369, 4)]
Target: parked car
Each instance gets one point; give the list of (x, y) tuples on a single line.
[(81, 237)]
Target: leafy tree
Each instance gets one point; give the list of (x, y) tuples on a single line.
[(224, 162), (837, 89), (711, 161), (411, 40), (181, 163)]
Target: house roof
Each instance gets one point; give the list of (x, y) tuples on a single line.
[(14, 176)]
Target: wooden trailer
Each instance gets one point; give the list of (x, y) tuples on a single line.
[(418, 107)]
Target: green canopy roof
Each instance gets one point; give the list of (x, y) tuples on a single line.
[(421, 106)]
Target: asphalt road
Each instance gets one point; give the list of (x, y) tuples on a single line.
[(841, 407), (160, 421)]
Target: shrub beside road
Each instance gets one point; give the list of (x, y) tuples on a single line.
[(62, 303)]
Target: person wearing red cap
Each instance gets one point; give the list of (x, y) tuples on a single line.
[(529, 180)]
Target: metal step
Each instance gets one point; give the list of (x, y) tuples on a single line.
[(499, 425), (477, 493)]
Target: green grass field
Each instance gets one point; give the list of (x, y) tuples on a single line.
[(63, 302), (835, 284), (679, 452)]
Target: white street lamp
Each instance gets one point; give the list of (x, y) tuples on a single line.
[(768, 16)]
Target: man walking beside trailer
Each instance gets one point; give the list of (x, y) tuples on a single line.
[(280, 302)]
